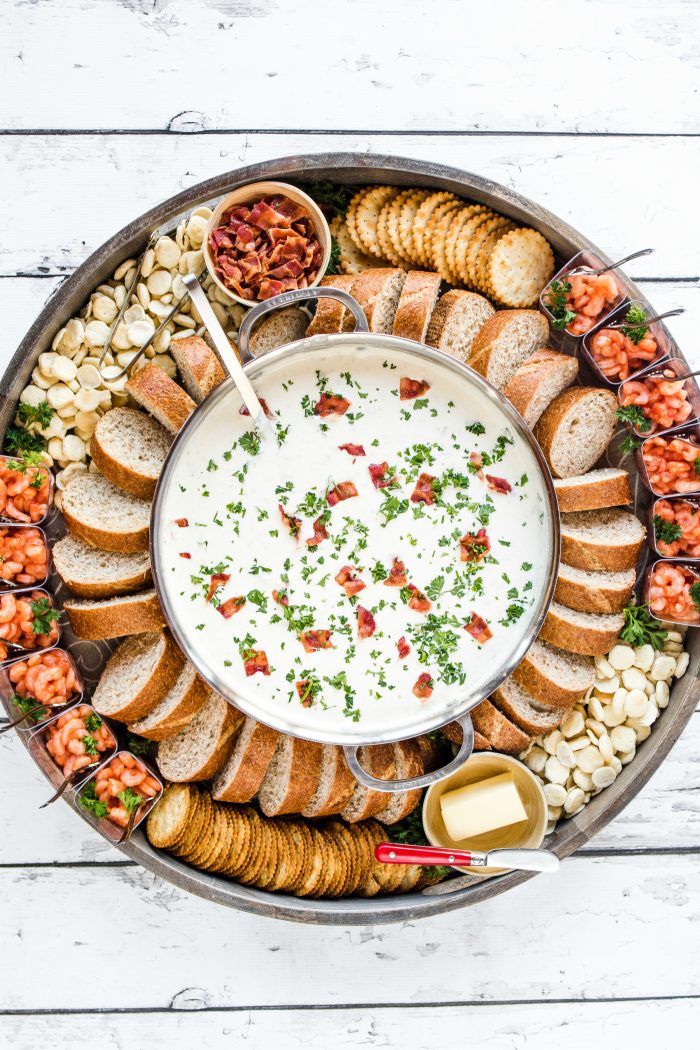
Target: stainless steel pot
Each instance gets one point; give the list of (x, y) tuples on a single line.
[(288, 718)]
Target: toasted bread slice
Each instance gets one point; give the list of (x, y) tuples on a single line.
[(115, 617), (594, 592), (331, 315), (576, 429), (93, 573), (416, 305), (501, 733), (590, 634), (292, 776), (200, 749), (596, 490), (161, 396), (553, 677), (538, 380), (282, 327), (129, 449), (379, 761), (409, 763), (101, 515), (177, 708), (455, 322), (199, 367), (243, 773), (505, 340), (139, 673), (453, 732), (335, 785), (522, 709), (378, 292), (601, 540)]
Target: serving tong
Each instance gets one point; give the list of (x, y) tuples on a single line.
[(589, 271)]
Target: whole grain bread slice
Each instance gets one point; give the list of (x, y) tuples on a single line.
[(416, 305), (455, 322), (576, 429), (539, 379), (553, 677), (379, 761), (292, 776), (129, 449), (331, 315), (139, 673), (501, 733), (161, 396), (594, 592), (409, 763), (378, 291), (522, 709), (243, 773), (591, 634), (505, 341), (177, 708), (282, 327), (93, 573), (453, 732), (200, 749), (607, 540), (596, 490), (101, 515), (335, 785), (199, 367), (115, 617)]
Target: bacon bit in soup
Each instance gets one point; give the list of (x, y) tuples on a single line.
[(403, 647), (350, 581), (418, 601), (77, 739), (674, 593), (281, 599), (118, 788), (315, 640), (320, 533), (305, 689), (24, 490), (218, 579), (412, 388), (423, 689), (48, 678), (424, 492), (291, 524), (23, 556), (185, 554), (181, 523), (366, 624), (353, 450), (342, 491), (331, 405), (478, 629), (378, 473), (677, 528), (397, 574), (476, 460), (498, 484), (673, 465), (231, 606), (245, 411), (255, 662), (661, 399), (474, 546)]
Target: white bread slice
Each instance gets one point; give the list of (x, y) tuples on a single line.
[(553, 677), (282, 327), (416, 305), (378, 291), (115, 617), (160, 396), (177, 708), (331, 315), (243, 773), (505, 341), (455, 322), (101, 515), (538, 380), (523, 709), (596, 490), (590, 634), (199, 749), (292, 776), (594, 592), (139, 673), (607, 540), (409, 763), (501, 733), (129, 449), (199, 367), (379, 761), (93, 573), (335, 785), (576, 429)]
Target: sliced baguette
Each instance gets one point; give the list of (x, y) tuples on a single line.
[(505, 341), (101, 515), (594, 592), (378, 292), (138, 674), (590, 634), (200, 749), (597, 490), (243, 773), (177, 708), (521, 708), (129, 449), (331, 315), (335, 785), (199, 367), (538, 380), (501, 733), (453, 732), (576, 429), (93, 573), (554, 678), (115, 617), (601, 540), (282, 327), (409, 763), (164, 399), (455, 322), (416, 305), (379, 761), (292, 776)]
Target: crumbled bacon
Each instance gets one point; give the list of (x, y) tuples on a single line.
[(331, 405), (320, 533), (243, 411), (343, 490), (418, 600), (314, 640), (423, 689), (474, 546), (185, 554), (231, 606), (281, 599), (403, 647), (478, 629), (424, 492), (255, 662), (291, 524), (218, 579), (378, 473), (412, 388), (353, 450), (181, 522), (366, 624), (348, 578), (477, 461), (397, 574), (305, 691), (498, 484)]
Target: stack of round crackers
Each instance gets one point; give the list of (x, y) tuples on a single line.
[(467, 244), (327, 859)]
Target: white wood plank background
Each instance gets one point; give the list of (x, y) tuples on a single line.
[(589, 107)]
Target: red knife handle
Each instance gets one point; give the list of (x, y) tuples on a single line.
[(399, 853)]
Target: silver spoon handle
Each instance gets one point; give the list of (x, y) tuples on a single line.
[(627, 258), (22, 717), (649, 320)]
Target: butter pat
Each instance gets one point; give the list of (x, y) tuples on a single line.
[(481, 807)]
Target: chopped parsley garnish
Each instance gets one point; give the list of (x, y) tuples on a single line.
[(513, 613), (42, 414), (89, 801), (666, 531), (130, 800), (556, 303), (642, 629), (90, 744), (635, 326), (28, 703), (633, 414), (250, 442), (44, 616)]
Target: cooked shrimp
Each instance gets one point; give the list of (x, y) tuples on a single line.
[(78, 739), (49, 678), (671, 594), (124, 773)]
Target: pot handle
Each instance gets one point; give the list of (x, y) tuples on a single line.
[(299, 295), (365, 778)]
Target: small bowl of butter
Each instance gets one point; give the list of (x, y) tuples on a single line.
[(491, 802)]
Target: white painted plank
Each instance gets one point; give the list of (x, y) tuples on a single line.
[(607, 1026), (369, 64), (623, 193), (611, 928)]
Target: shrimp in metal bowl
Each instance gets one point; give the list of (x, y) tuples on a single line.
[(119, 788), (78, 739), (674, 593)]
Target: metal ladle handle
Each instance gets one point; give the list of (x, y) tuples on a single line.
[(297, 296)]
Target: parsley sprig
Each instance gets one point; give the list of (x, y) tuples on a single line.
[(557, 304), (640, 628), (633, 415), (635, 326), (44, 615), (666, 531)]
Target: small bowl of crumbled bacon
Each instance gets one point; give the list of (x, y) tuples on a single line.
[(265, 239)]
